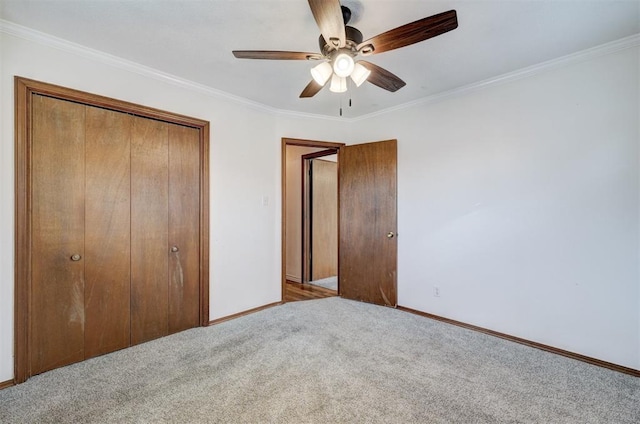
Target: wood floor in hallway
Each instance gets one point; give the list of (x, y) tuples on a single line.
[(296, 291)]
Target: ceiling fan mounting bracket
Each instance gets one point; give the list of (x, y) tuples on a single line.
[(367, 50), (346, 14)]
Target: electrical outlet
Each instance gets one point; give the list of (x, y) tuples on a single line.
[(436, 291)]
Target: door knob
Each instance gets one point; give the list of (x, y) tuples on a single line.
[(390, 234), (174, 248), (76, 257)]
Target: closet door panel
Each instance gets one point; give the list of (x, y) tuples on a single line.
[(184, 223), (107, 233), (57, 196), (149, 230)]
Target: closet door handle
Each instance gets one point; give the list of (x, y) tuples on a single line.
[(76, 257), (174, 248)]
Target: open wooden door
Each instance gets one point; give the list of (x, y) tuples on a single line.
[(368, 219)]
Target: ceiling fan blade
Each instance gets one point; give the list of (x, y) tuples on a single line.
[(275, 55), (382, 78), (412, 33), (311, 89), (328, 15)]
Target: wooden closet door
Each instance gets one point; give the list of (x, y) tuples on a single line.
[(104, 190), (149, 230), (57, 263), (107, 231), (184, 227)]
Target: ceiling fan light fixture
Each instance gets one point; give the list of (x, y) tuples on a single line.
[(321, 73), (338, 84), (343, 65), (360, 74), (340, 44)]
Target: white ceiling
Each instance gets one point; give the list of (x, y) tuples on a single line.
[(193, 40)]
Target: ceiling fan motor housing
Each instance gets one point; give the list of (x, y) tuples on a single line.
[(353, 36)]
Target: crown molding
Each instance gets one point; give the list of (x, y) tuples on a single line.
[(108, 59), (305, 115), (29, 34), (134, 67), (587, 54)]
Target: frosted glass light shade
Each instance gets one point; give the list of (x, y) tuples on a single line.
[(343, 65), (338, 84), (321, 73), (360, 74)]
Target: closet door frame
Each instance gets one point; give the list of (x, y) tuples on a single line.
[(24, 90)]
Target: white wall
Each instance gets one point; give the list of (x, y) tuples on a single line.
[(520, 202), (245, 156), (6, 226)]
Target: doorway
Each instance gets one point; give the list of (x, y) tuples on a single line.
[(367, 221), (320, 219), (297, 231)]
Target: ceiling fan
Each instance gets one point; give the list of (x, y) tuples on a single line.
[(341, 45)]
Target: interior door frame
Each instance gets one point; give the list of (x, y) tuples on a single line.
[(24, 90), (307, 217), (283, 206)]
